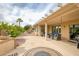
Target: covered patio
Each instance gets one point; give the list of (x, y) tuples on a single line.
[(60, 22)]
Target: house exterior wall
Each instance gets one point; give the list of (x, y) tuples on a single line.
[(65, 29), (65, 32), (49, 29)]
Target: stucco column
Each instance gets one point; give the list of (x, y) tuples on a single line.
[(45, 30), (50, 31), (35, 30), (39, 30), (65, 35)]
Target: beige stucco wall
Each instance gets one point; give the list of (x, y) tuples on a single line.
[(6, 46), (65, 29), (65, 32), (49, 29), (65, 35)]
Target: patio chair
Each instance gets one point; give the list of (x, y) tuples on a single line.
[(77, 38)]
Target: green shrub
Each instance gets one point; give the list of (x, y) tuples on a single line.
[(13, 30)]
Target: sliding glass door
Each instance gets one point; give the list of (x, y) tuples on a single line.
[(56, 31), (74, 31)]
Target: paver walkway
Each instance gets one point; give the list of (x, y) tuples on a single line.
[(60, 46), (31, 42)]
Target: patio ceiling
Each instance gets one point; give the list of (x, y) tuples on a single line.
[(67, 13)]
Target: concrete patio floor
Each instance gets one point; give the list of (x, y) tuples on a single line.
[(66, 49)]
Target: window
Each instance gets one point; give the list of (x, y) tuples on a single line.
[(74, 30)]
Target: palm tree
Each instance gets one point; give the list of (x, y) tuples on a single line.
[(19, 20)]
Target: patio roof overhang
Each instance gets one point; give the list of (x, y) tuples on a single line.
[(69, 12)]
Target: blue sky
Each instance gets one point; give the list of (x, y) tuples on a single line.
[(29, 12)]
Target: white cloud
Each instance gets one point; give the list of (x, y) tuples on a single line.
[(28, 15)]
